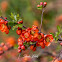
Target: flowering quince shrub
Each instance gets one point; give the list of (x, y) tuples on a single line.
[(28, 37), (33, 38)]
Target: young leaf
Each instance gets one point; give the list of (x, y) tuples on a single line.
[(52, 34), (17, 15), (58, 28), (10, 23), (16, 46), (15, 18), (19, 25), (12, 17), (14, 27)]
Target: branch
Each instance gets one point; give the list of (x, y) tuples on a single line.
[(24, 26), (59, 39), (3, 18), (41, 19), (14, 22), (49, 53)]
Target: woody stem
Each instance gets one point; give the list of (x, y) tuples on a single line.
[(41, 20)]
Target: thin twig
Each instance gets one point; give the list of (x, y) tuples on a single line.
[(24, 26), (49, 53), (41, 20), (19, 56), (57, 57), (3, 18), (59, 39)]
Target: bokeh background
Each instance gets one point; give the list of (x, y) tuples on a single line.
[(31, 15)]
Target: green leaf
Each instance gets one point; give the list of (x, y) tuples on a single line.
[(61, 30), (40, 7), (14, 27), (50, 58), (12, 14), (27, 43), (58, 28), (56, 38), (24, 43), (14, 17), (19, 25), (57, 33), (10, 23), (52, 34), (31, 43), (17, 15), (16, 46), (19, 19)]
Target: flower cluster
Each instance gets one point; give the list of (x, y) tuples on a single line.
[(3, 26), (33, 38), (4, 47)]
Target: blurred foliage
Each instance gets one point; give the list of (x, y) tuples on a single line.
[(57, 35), (28, 11)]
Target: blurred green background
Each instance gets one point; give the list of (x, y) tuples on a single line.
[(29, 12)]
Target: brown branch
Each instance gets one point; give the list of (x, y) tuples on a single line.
[(49, 53), (59, 39), (41, 19), (24, 26)]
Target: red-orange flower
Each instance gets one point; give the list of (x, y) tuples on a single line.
[(48, 39)]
